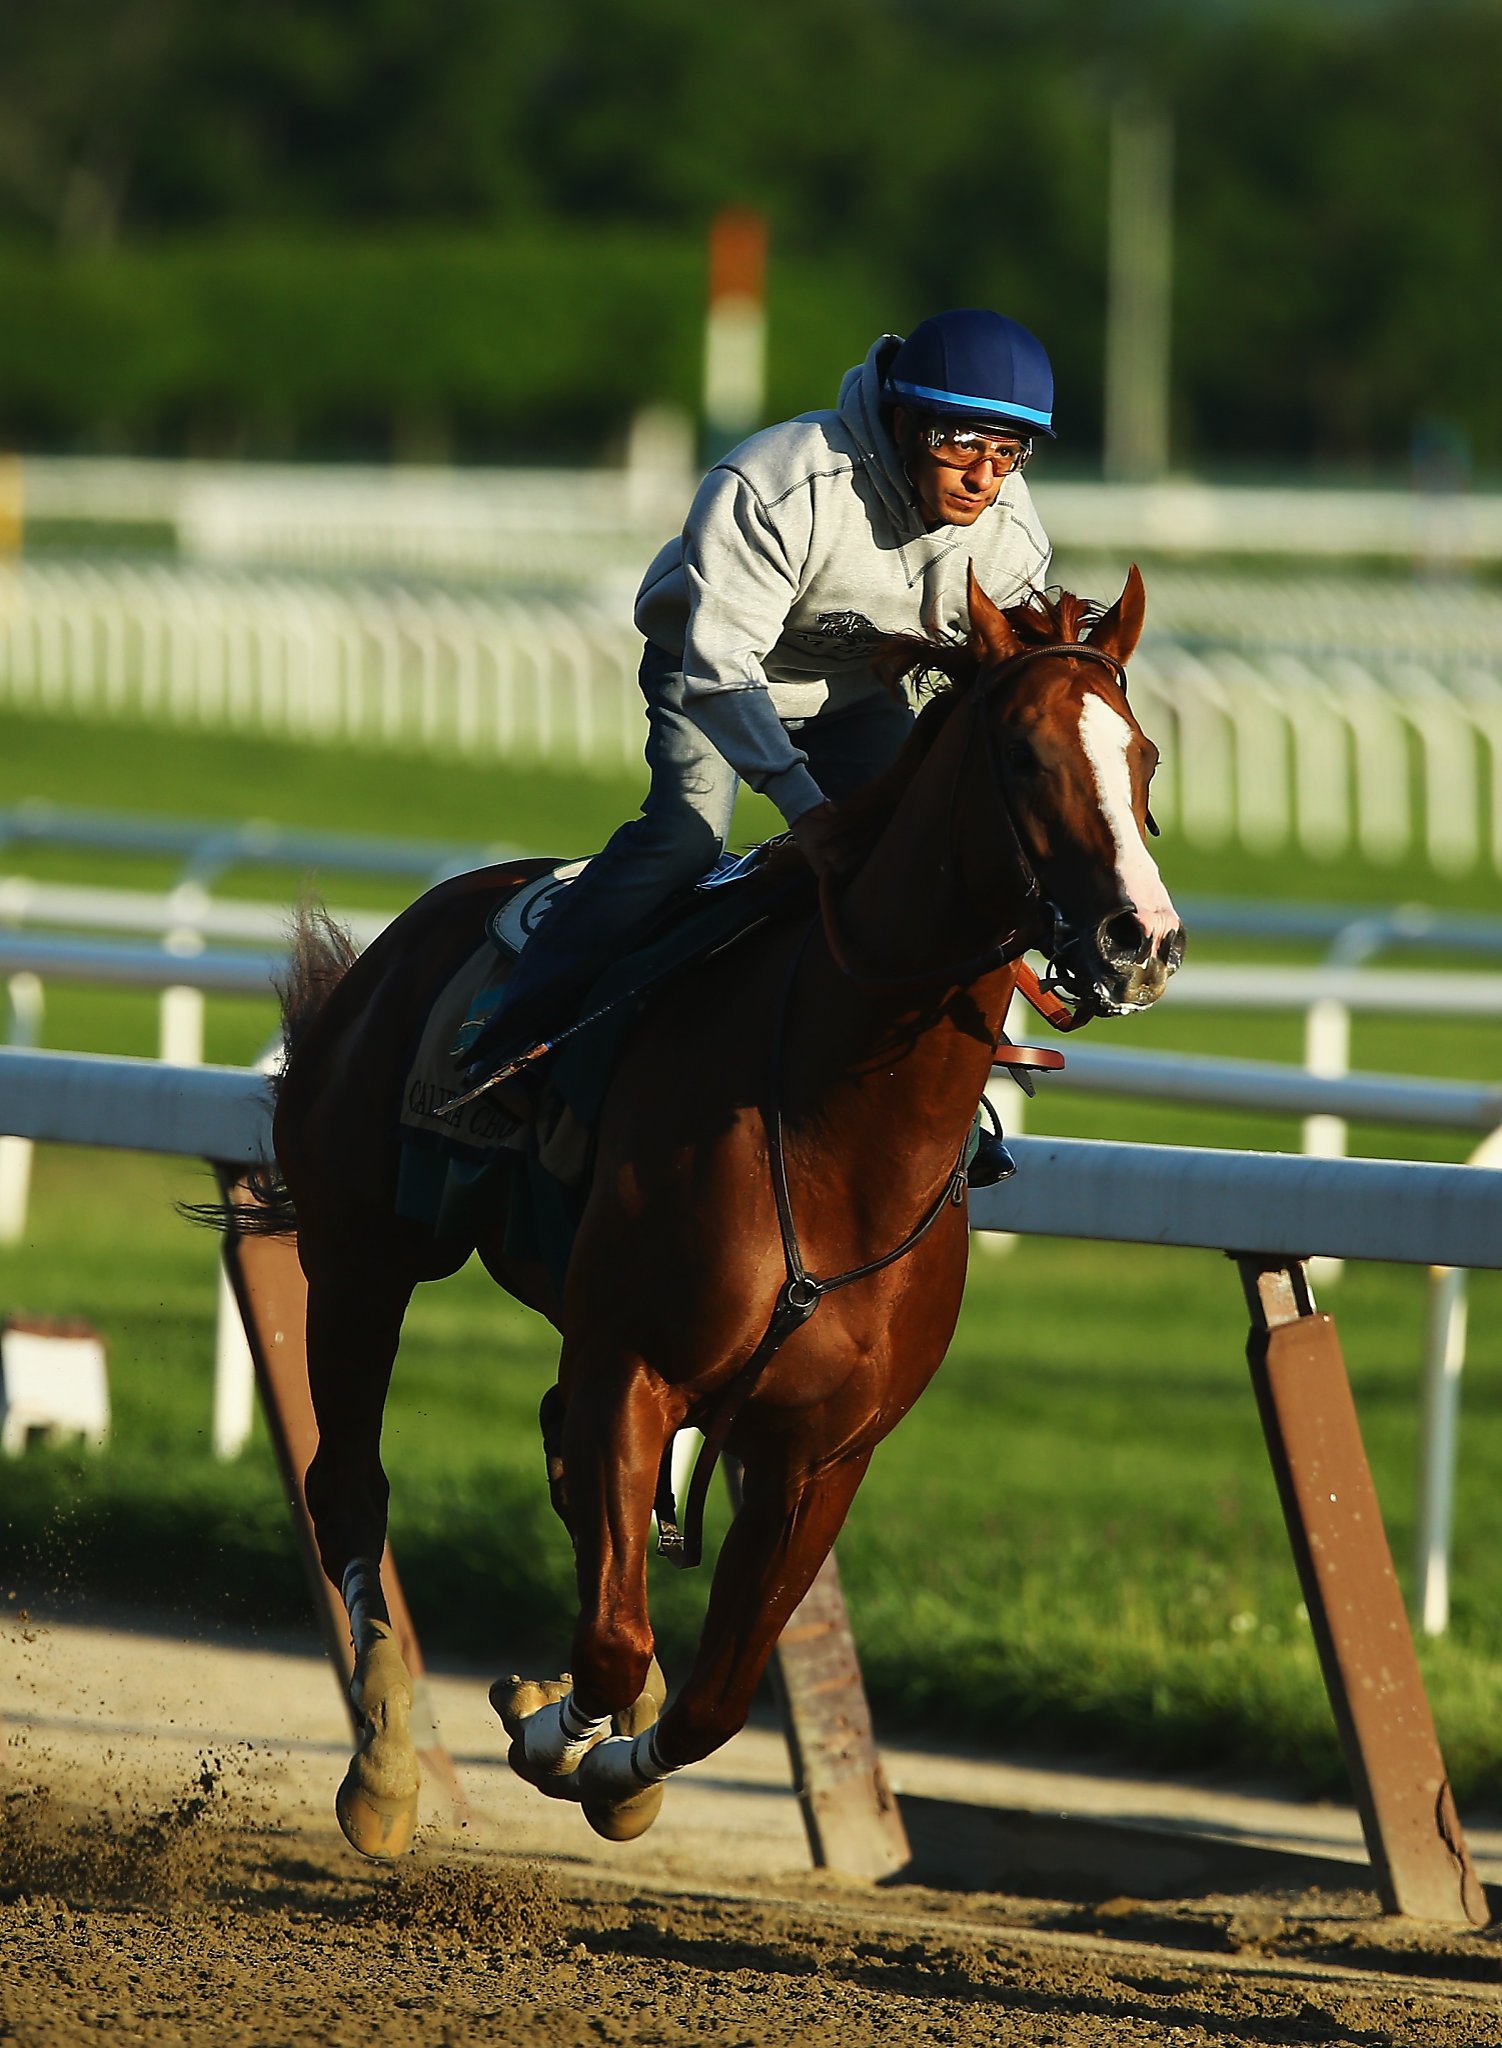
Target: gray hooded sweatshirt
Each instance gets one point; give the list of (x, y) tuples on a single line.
[(803, 549)]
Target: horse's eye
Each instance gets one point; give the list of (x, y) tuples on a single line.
[(1020, 757)]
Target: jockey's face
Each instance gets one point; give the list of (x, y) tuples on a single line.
[(947, 496)]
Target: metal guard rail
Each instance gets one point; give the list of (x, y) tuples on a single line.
[(1065, 1187)]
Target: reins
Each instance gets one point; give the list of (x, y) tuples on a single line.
[(1000, 954)]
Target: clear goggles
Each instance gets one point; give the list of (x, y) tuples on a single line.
[(958, 447)]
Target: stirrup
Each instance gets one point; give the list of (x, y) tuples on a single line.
[(992, 1162)]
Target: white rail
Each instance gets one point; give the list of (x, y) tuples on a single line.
[(70, 1098), (1416, 1214), (186, 909), (1277, 728), (1271, 1089), (415, 515), (209, 849), (1233, 1084)]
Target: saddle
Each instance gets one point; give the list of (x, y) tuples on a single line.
[(465, 1160), (734, 897)]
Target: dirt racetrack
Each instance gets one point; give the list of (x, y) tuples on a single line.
[(170, 1873)]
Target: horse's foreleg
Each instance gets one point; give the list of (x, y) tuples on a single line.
[(612, 1443), (787, 1522), (354, 1323)]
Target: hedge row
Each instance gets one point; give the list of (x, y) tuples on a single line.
[(476, 346)]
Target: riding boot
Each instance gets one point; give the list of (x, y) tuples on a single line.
[(992, 1161)]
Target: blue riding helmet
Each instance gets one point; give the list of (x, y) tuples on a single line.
[(975, 365)]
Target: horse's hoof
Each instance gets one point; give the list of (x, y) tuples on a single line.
[(516, 1700), (553, 1784), (378, 1827), (615, 1805), (377, 1803), (622, 1820), (644, 1709)]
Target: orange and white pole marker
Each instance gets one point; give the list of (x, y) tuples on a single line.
[(735, 331), (12, 505)]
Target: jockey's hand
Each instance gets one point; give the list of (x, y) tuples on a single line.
[(817, 835)]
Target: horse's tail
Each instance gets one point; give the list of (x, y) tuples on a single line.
[(322, 953)]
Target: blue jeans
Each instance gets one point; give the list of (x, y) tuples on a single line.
[(685, 817)]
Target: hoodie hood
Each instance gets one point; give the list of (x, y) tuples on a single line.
[(860, 411)]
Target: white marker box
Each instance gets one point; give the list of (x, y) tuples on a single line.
[(53, 1382)]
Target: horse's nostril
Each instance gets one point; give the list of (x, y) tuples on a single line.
[(1121, 939)]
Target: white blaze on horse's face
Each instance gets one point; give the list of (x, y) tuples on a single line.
[(1106, 739)]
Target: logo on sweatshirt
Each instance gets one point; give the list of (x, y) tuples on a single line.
[(853, 628)]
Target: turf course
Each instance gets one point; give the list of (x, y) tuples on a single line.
[(1076, 1529)]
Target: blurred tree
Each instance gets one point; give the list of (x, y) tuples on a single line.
[(1338, 191), (1340, 210), (83, 84)]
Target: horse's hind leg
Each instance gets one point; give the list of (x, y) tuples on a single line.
[(788, 1520), (355, 1315)]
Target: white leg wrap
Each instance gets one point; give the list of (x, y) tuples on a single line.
[(557, 1737), (363, 1599), (623, 1764), (645, 1761)]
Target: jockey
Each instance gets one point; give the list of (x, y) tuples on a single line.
[(804, 549)]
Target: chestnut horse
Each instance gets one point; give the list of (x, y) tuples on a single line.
[(1013, 818)]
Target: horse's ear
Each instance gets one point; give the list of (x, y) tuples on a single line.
[(991, 635), (1117, 631)]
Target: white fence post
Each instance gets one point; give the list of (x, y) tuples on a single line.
[(1327, 1052), (16, 1153), (1439, 1429), (234, 1376)]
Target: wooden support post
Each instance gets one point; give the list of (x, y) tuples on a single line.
[(1413, 1833), (849, 1809), (272, 1296)]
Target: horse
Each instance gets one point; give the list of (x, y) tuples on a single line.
[(797, 1106)]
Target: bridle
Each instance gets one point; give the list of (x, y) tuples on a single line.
[(1043, 923)]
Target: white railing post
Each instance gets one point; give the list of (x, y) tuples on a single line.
[(234, 1367), (180, 1027), (1327, 1053), (16, 1154), (181, 1010), (234, 1376), (1439, 1429), (1439, 1426)]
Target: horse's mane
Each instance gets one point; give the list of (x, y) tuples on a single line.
[(945, 671)]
